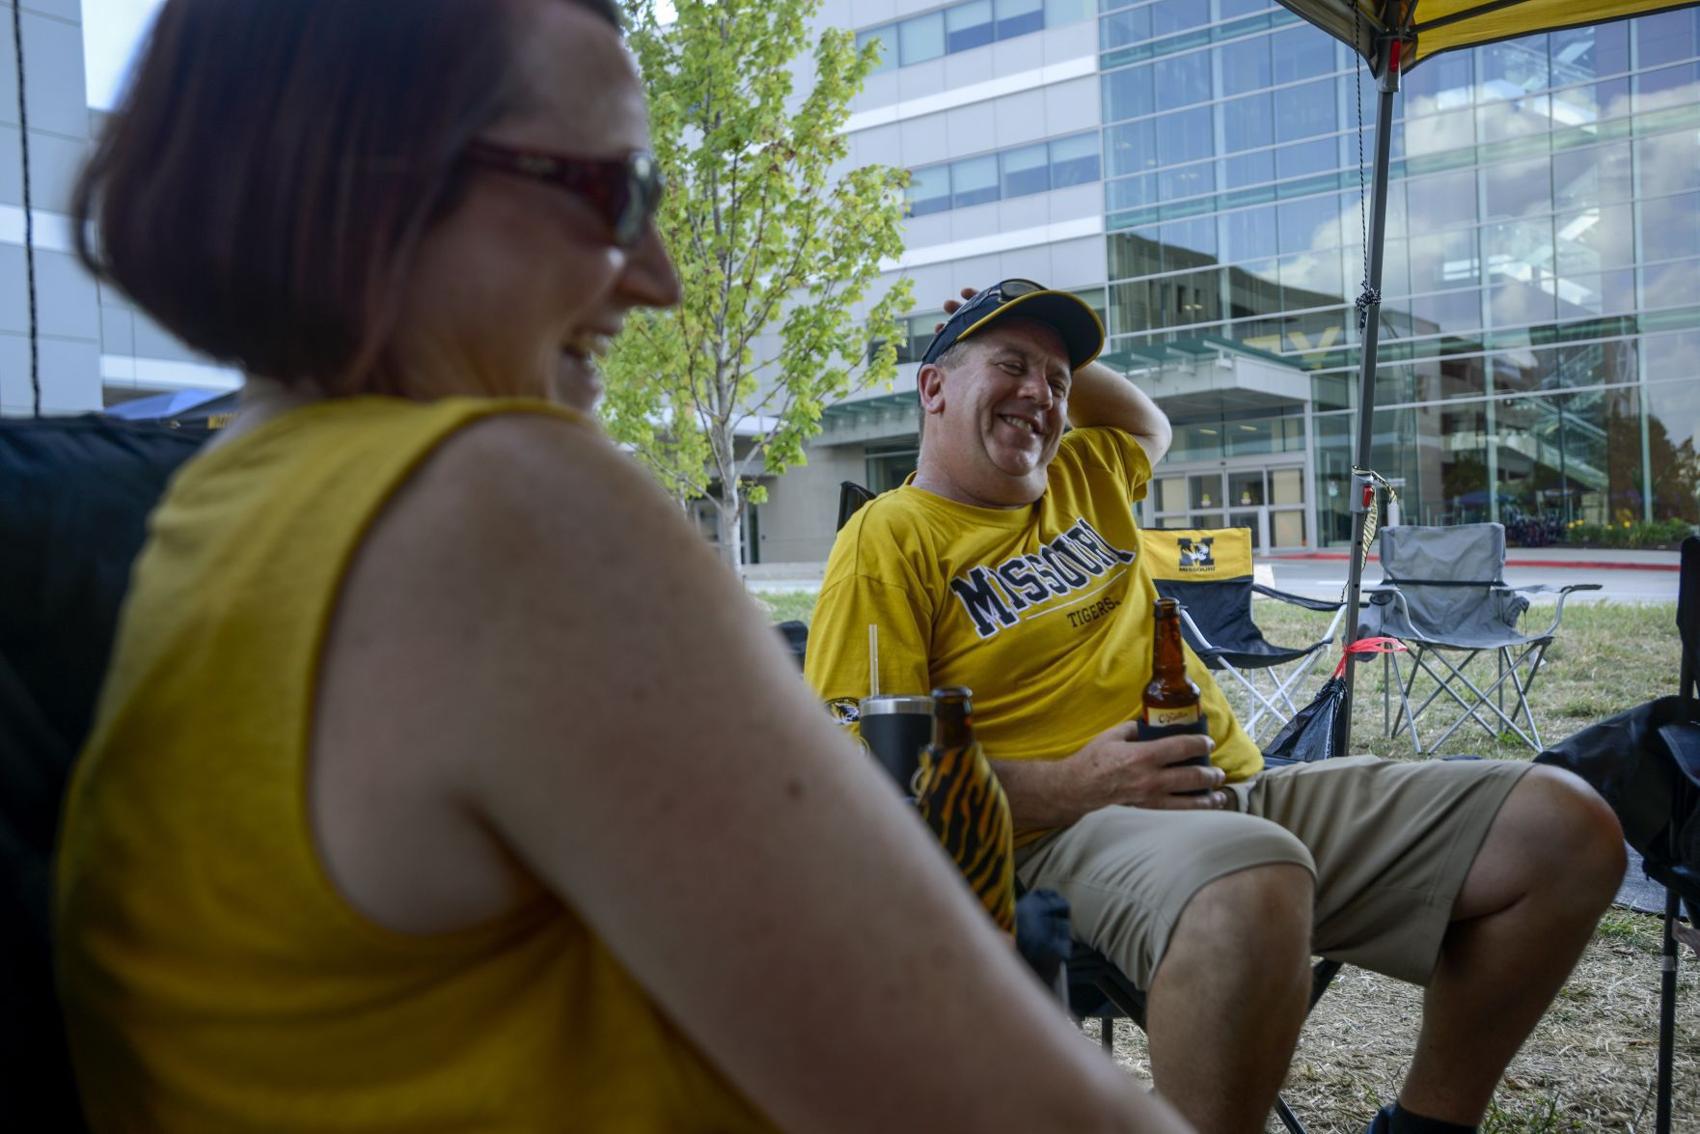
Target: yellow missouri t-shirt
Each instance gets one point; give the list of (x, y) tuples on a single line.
[(1043, 611)]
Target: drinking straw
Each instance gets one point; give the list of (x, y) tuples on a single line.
[(873, 660)]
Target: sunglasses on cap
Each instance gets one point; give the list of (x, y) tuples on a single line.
[(997, 295), (625, 191), (1081, 330)]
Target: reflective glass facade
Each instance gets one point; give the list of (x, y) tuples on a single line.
[(1541, 315)]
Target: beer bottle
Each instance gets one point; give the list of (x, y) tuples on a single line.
[(1171, 699), (953, 717), (964, 805)]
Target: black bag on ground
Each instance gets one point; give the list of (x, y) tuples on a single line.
[(1317, 731), (1312, 734)]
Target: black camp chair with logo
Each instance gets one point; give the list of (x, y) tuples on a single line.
[(1443, 591), (1210, 573)]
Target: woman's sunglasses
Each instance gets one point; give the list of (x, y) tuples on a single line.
[(626, 191)]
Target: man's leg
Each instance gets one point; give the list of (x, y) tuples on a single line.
[(1210, 912), (1230, 996), (1550, 865)]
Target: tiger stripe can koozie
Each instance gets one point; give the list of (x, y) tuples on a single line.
[(963, 804)]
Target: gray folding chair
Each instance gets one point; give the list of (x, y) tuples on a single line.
[(1443, 590)]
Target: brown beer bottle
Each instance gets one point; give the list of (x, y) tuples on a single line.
[(953, 717), (1171, 699), (959, 796)]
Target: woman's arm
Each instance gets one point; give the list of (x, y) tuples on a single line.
[(647, 751)]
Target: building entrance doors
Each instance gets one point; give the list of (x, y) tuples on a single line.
[(1266, 496)]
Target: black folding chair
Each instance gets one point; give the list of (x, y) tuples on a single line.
[(1645, 763), (75, 494), (851, 496), (1209, 572)]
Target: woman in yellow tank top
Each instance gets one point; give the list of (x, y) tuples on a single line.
[(443, 780)]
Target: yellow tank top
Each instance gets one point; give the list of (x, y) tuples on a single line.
[(213, 978)]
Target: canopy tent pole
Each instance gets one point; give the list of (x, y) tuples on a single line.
[(1369, 314)]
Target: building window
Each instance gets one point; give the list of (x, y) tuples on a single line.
[(889, 465), (1060, 12), (973, 181), (965, 26), (1171, 16), (968, 25), (1247, 123), (1182, 80), (1026, 170), (1020, 17), (1012, 173), (1128, 93), (1301, 53), (1074, 161), (921, 38), (1245, 65), (929, 190), (918, 332), (1305, 111)]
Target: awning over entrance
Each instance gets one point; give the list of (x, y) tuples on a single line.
[(1430, 27), (1209, 376)]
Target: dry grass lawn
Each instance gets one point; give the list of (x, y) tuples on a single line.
[(1590, 1064)]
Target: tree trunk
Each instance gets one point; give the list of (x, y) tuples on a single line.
[(728, 501), (731, 530)]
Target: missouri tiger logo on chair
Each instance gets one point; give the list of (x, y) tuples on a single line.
[(1197, 555)]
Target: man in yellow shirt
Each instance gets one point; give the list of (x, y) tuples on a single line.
[(1009, 563)]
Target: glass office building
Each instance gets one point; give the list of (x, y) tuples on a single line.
[(1540, 333), (1541, 289)]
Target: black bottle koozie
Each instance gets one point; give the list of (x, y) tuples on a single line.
[(1158, 732)]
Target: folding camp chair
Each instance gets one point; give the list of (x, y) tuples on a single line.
[(1645, 763), (1444, 589), (75, 494), (851, 496), (1209, 573)]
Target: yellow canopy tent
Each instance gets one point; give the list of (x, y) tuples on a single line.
[(1393, 36), (1429, 27)]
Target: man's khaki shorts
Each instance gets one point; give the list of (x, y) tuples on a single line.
[(1389, 844)]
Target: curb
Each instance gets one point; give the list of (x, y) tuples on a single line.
[(1550, 564)]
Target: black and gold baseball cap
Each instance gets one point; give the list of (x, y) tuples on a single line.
[(1064, 312)]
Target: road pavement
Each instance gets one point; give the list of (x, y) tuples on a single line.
[(1627, 577), (1624, 576)]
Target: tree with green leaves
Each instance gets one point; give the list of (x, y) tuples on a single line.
[(772, 243)]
